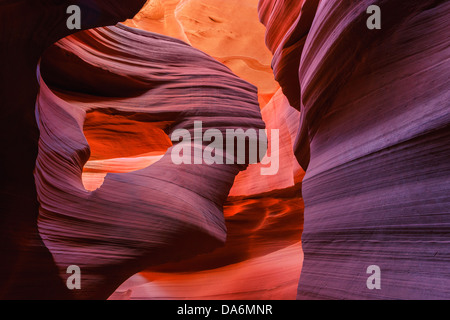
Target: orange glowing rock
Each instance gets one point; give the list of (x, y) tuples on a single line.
[(229, 31)]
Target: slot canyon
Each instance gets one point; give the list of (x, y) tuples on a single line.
[(363, 126)]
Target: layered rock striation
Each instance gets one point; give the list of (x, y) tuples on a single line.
[(374, 141)]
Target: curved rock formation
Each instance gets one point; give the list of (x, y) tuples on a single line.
[(163, 212), (109, 98), (255, 278), (374, 141), (262, 257), (288, 24), (27, 29), (257, 204)]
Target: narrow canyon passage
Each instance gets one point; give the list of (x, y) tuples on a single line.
[(357, 121)]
